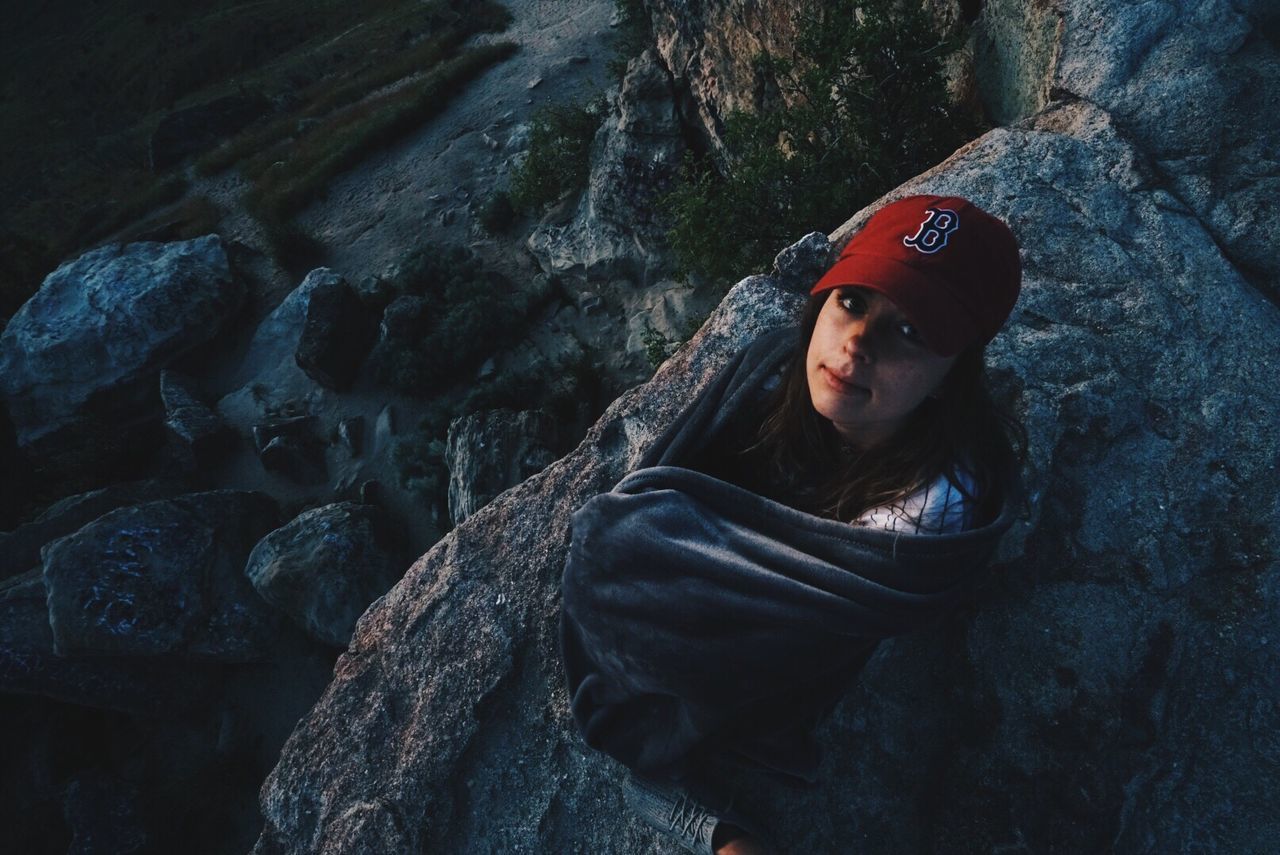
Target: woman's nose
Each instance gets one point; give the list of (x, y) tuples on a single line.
[(858, 344)]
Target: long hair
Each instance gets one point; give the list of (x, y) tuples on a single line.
[(961, 426)]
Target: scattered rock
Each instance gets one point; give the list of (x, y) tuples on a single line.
[(489, 451), (336, 335), (164, 578), (579, 59), (296, 458), (296, 427), (374, 291), (326, 566), (194, 426), (384, 431), (269, 375), (519, 139), (351, 434), (534, 83), (668, 310), (30, 665)]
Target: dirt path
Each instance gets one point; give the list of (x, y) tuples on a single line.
[(421, 189)]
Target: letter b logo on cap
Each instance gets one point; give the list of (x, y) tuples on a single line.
[(933, 232)]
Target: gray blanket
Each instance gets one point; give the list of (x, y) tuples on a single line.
[(700, 619)]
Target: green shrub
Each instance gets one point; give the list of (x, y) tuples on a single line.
[(869, 109), (658, 347), (632, 36), (558, 160), (467, 314), (429, 269)]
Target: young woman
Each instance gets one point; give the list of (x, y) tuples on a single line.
[(836, 484)]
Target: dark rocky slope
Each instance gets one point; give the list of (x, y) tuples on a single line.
[(1117, 688)]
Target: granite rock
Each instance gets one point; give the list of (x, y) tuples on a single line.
[(164, 578), (104, 325), (324, 567)]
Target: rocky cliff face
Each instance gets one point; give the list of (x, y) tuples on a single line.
[(1115, 691)]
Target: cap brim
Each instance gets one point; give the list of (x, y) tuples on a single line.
[(942, 320)]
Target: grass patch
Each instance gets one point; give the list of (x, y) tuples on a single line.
[(868, 110), (284, 187), (559, 157), (152, 195), (327, 95), (192, 217)]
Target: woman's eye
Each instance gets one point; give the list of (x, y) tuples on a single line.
[(910, 333), (852, 303)]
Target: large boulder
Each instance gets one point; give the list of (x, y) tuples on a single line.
[(636, 156), (91, 342), (20, 548), (324, 567), (163, 578), (337, 333), (1115, 688), (30, 665), (711, 50), (269, 378)]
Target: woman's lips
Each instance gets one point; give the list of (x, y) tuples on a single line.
[(843, 386)]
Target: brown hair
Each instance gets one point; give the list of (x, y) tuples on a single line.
[(962, 426)]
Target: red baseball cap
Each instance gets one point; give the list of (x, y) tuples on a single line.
[(951, 267)]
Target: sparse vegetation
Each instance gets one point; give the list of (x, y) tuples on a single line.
[(449, 29), (455, 315), (865, 108), (657, 347), (83, 89), (633, 34), (558, 160), (335, 143), (283, 187)]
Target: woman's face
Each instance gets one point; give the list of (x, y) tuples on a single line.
[(867, 367)]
